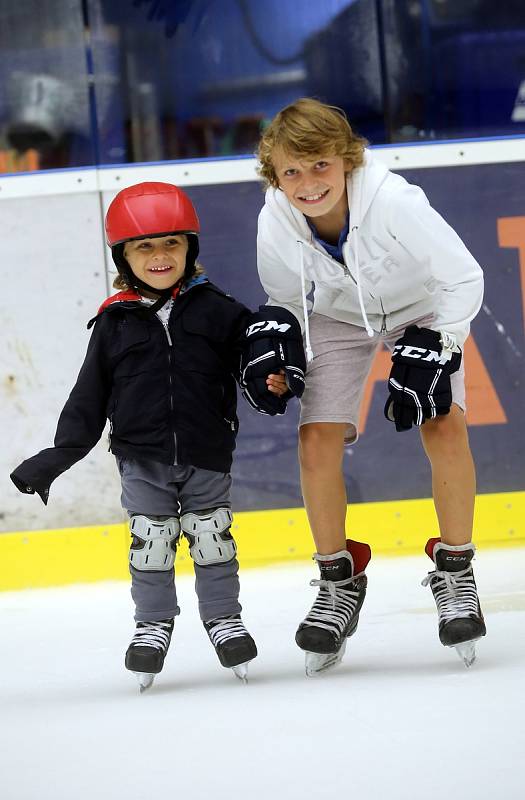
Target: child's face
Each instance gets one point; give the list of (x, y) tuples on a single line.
[(159, 261), (316, 187)]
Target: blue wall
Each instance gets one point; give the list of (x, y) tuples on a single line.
[(265, 468)]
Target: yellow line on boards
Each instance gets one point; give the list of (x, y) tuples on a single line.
[(34, 559)]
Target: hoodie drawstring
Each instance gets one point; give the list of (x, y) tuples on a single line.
[(355, 243), (368, 328), (309, 351)]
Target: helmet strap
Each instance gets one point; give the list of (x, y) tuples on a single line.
[(163, 298)]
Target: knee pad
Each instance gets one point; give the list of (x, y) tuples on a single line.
[(154, 543), (209, 536)]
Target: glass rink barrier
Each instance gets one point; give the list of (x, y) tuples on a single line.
[(89, 82)]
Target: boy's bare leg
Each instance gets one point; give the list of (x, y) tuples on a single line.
[(334, 615), (321, 448), (445, 440), (460, 617)]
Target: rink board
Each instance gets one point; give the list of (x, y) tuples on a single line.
[(96, 553), (45, 345)]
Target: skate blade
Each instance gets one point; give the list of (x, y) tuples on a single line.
[(145, 680), (317, 663), (241, 671), (467, 652)]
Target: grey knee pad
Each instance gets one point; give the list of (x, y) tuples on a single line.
[(154, 543), (209, 536)]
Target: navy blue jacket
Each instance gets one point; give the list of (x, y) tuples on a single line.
[(169, 393)]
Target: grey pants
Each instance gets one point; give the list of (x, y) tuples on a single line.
[(158, 490)]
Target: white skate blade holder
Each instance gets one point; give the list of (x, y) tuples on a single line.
[(467, 652), (318, 663), (241, 671), (145, 680)]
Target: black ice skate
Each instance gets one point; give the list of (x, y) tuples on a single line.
[(147, 650), (232, 642), (461, 622), (335, 613)]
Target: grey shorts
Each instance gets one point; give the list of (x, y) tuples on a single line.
[(336, 377)]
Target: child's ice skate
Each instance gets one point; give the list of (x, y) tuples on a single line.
[(232, 642), (147, 650), (461, 621), (335, 613)]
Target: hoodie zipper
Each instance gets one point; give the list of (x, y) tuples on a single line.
[(383, 321), (319, 252)]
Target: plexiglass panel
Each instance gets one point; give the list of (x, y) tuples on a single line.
[(113, 81), (45, 117), (454, 68), (201, 77)]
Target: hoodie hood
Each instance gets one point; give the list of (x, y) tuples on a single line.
[(401, 258), (362, 185)]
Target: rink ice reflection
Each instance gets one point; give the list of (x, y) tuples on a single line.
[(401, 717)]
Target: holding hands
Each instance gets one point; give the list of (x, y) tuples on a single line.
[(273, 362)]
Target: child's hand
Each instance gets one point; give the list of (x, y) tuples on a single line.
[(277, 383)]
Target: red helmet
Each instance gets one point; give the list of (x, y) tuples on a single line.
[(149, 209)]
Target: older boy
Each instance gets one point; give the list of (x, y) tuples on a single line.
[(384, 267)]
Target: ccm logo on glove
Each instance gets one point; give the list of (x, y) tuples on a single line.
[(422, 353), (267, 326)]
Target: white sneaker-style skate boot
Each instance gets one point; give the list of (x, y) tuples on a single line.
[(147, 650), (461, 621), (335, 613), (232, 642)]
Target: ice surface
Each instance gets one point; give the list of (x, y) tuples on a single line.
[(401, 717)]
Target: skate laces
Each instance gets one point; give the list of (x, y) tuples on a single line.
[(153, 634), (334, 605), (222, 629), (454, 592)]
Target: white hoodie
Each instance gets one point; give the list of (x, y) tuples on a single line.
[(402, 260)]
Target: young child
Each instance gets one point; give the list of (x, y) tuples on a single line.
[(384, 267), (161, 366)]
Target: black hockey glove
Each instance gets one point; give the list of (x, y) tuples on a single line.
[(273, 343), (419, 382)]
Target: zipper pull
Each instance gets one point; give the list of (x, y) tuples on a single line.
[(165, 325)]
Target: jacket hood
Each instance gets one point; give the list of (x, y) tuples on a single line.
[(131, 296)]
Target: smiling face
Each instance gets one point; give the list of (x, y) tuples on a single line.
[(315, 186), (159, 261)]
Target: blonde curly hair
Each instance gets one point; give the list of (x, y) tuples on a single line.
[(305, 129)]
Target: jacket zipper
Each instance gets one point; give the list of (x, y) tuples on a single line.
[(170, 343)]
